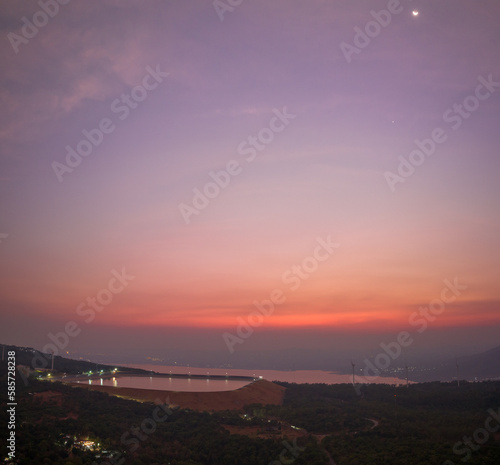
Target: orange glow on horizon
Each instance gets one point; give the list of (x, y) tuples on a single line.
[(369, 321)]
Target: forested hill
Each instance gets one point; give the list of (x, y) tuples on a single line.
[(35, 359)]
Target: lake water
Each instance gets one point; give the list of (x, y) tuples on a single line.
[(299, 376), (168, 384)]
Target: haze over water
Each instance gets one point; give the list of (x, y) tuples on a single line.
[(296, 376)]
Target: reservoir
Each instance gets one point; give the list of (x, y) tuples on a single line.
[(295, 376), (168, 384)]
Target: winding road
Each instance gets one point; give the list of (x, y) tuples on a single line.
[(330, 458), (332, 462), (374, 421)]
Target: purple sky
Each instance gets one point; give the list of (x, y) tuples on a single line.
[(306, 142)]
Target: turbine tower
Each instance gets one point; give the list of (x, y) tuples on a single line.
[(406, 369), (353, 380), (458, 379)]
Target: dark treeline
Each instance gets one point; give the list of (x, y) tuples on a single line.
[(379, 424), (417, 425)]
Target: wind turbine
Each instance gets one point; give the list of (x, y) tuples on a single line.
[(353, 365), (458, 379), (406, 371)]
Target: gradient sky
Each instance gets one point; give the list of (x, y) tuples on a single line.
[(322, 176)]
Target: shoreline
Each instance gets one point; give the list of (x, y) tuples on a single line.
[(119, 374), (257, 392), (299, 376)]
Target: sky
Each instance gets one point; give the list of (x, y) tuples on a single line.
[(168, 168)]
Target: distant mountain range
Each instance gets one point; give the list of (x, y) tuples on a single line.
[(485, 365)]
